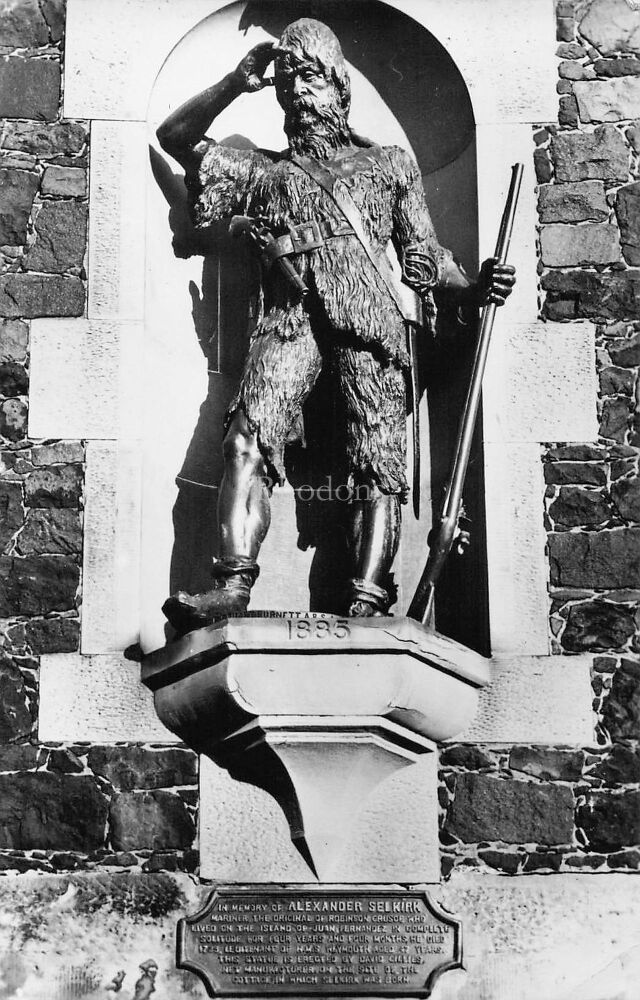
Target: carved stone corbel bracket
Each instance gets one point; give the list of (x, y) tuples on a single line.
[(317, 711)]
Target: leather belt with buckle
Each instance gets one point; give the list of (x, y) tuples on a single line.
[(304, 237)]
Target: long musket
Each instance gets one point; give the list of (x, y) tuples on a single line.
[(445, 532)]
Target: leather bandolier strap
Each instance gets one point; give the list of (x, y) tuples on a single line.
[(381, 263), (382, 266)]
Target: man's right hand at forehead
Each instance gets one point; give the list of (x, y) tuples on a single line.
[(181, 132), (250, 70)]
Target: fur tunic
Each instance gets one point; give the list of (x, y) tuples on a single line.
[(385, 185), (348, 314)]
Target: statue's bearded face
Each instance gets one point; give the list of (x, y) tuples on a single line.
[(315, 121)]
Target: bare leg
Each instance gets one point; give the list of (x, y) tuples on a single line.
[(244, 512)]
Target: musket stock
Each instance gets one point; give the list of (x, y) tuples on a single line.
[(446, 530)]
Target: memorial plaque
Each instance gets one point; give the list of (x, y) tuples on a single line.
[(309, 941)]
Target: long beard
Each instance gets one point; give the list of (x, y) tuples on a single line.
[(316, 131)]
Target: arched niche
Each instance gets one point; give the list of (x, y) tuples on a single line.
[(200, 294)]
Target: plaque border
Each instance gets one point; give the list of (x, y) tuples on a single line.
[(339, 992)]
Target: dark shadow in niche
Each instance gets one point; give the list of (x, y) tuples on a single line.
[(418, 81), (224, 302), (420, 84)]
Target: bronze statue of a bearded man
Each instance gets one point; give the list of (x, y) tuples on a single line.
[(347, 321)]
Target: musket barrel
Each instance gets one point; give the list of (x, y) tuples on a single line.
[(420, 606), (472, 403)]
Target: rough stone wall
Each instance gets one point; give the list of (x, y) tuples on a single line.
[(524, 809), (62, 808)]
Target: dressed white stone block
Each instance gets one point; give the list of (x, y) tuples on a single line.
[(518, 572), (561, 937), (119, 160), (96, 699), (111, 564), (517, 86), (540, 383), (85, 379), (115, 48), (498, 148), (531, 699), (535, 699), (244, 835)]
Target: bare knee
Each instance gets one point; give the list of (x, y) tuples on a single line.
[(240, 446)]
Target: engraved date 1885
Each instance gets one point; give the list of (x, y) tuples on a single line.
[(318, 628)]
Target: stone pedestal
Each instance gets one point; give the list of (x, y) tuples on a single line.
[(316, 711)]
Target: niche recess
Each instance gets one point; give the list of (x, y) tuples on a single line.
[(200, 296)]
